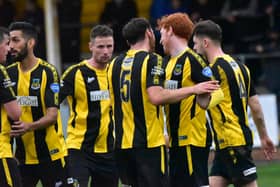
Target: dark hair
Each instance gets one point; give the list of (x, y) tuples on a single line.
[(180, 23), (100, 30), (3, 31), (134, 31), (209, 29), (28, 30)]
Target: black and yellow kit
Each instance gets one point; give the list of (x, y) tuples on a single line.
[(140, 153), (9, 173), (6, 95), (90, 124), (138, 123), (186, 121), (229, 118), (37, 90)]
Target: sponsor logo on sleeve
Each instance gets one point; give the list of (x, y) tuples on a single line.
[(207, 72), (55, 87), (8, 83)]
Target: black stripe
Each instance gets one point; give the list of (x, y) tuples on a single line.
[(74, 104), (140, 132), (116, 70), (94, 110), (110, 137), (1, 121), (214, 130), (20, 150), (193, 108), (246, 79), (222, 113), (37, 113), (237, 105), (174, 109)]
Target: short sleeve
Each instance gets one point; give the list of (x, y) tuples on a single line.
[(155, 71)]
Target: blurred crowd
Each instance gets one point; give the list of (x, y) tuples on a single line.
[(250, 26)]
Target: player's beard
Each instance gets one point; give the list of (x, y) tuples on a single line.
[(21, 55)]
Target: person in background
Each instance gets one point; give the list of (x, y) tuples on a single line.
[(116, 14), (233, 139), (90, 139)]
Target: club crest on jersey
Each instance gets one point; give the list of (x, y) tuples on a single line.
[(178, 69), (207, 72), (55, 87), (35, 85)]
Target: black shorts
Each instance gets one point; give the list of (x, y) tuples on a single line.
[(100, 167), (188, 166), (49, 173), (9, 173), (143, 167), (235, 164)]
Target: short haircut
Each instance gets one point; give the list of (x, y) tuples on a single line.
[(3, 31), (28, 30), (100, 30), (180, 23), (208, 29), (134, 31)]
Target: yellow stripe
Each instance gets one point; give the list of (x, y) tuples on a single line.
[(62, 162), (7, 172), (189, 157), (162, 159)]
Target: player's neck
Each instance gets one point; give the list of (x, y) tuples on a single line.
[(28, 63), (141, 45), (214, 53), (178, 46), (96, 65)]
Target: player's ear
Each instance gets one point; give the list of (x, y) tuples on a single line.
[(31, 42), (205, 42)]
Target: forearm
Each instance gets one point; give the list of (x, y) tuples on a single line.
[(162, 96), (258, 116), (260, 123), (49, 119)]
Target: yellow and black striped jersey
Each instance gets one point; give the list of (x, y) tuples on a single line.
[(229, 118), (186, 121), (138, 123), (37, 90), (90, 125), (6, 95)]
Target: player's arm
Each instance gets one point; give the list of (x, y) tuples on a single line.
[(258, 118), (67, 83), (209, 100), (21, 127), (13, 110), (7, 96), (159, 95)]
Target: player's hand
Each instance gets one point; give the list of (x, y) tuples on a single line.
[(268, 147), (206, 87), (19, 128)]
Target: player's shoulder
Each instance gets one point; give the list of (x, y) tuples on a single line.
[(13, 65), (73, 68), (47, 65)]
